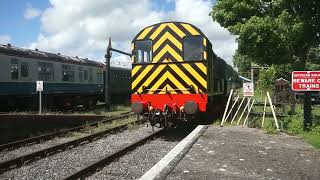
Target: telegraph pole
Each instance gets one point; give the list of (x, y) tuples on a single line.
[(107, 77)]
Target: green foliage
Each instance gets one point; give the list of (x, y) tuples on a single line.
[(269, 126), (243, 63), (271, 32), (267, 78), (294, 124), (315, 130), (314, 55), (313, 63), (283, 71), (216, 122), (313, 139)]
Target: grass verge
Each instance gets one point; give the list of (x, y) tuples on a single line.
[(313, 139)]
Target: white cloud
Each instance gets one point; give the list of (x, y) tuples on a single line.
[(81, 27), (5, 39), (197, 12), (31, 13)]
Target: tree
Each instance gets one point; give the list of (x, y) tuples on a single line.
[(267, 78), (313, 63), (243, 63), (283, 71), (273, 31)]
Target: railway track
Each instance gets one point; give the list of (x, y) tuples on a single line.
[(90, 169), (46, 137), (27, 158)]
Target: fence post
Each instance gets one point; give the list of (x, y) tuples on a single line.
[(264, 110), (225, 111), (274, 114)]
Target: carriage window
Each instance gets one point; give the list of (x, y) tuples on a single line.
[(80, 69), (90, 74), (14, 69), (24, 69), (99, 76), (143, 51), (67, 73), (85, 75), (193, 48), (45, 71)]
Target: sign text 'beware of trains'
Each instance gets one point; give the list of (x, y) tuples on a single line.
[(305, 81)]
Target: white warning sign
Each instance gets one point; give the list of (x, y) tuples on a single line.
[(39, 85), (248, 89)]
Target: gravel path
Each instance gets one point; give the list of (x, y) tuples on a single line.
[(138, 162), (64, 163), (247, 153)]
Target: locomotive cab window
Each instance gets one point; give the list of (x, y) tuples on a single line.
[(193, 48), (143, 51)]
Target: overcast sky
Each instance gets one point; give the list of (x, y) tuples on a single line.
[(82, 27)]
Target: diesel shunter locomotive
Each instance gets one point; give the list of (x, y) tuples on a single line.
[(176, 75)]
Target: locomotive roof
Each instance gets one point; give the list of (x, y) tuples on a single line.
[(178, 24), (36, 54)]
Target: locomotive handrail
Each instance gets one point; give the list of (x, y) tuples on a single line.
[(171, 62), (169, 90), (119, 51)]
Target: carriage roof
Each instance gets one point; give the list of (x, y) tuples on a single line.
[(36, 54)]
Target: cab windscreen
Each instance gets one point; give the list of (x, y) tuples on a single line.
[(143, 51), (193, 48)]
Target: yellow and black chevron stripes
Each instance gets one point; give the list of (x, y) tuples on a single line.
[(167, 36), (190, 29), (144, 33), (205, 45), (178, 77), (167, 40), (167, 43), (168, 71)]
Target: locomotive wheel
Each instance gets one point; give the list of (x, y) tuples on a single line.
[(152, 119), (168, 115)]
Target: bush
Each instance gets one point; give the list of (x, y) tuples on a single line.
[(267, 78), (315, 130), (269, 126), (293, 124)]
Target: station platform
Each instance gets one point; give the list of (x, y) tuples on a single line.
[(247, 153)]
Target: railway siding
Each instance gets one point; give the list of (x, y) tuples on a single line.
[(62, 164)]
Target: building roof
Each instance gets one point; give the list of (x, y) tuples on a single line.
[(245, 79), (282, 79)]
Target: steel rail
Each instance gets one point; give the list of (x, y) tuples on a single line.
[(19, 161), (46, 137), (84, 172)]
